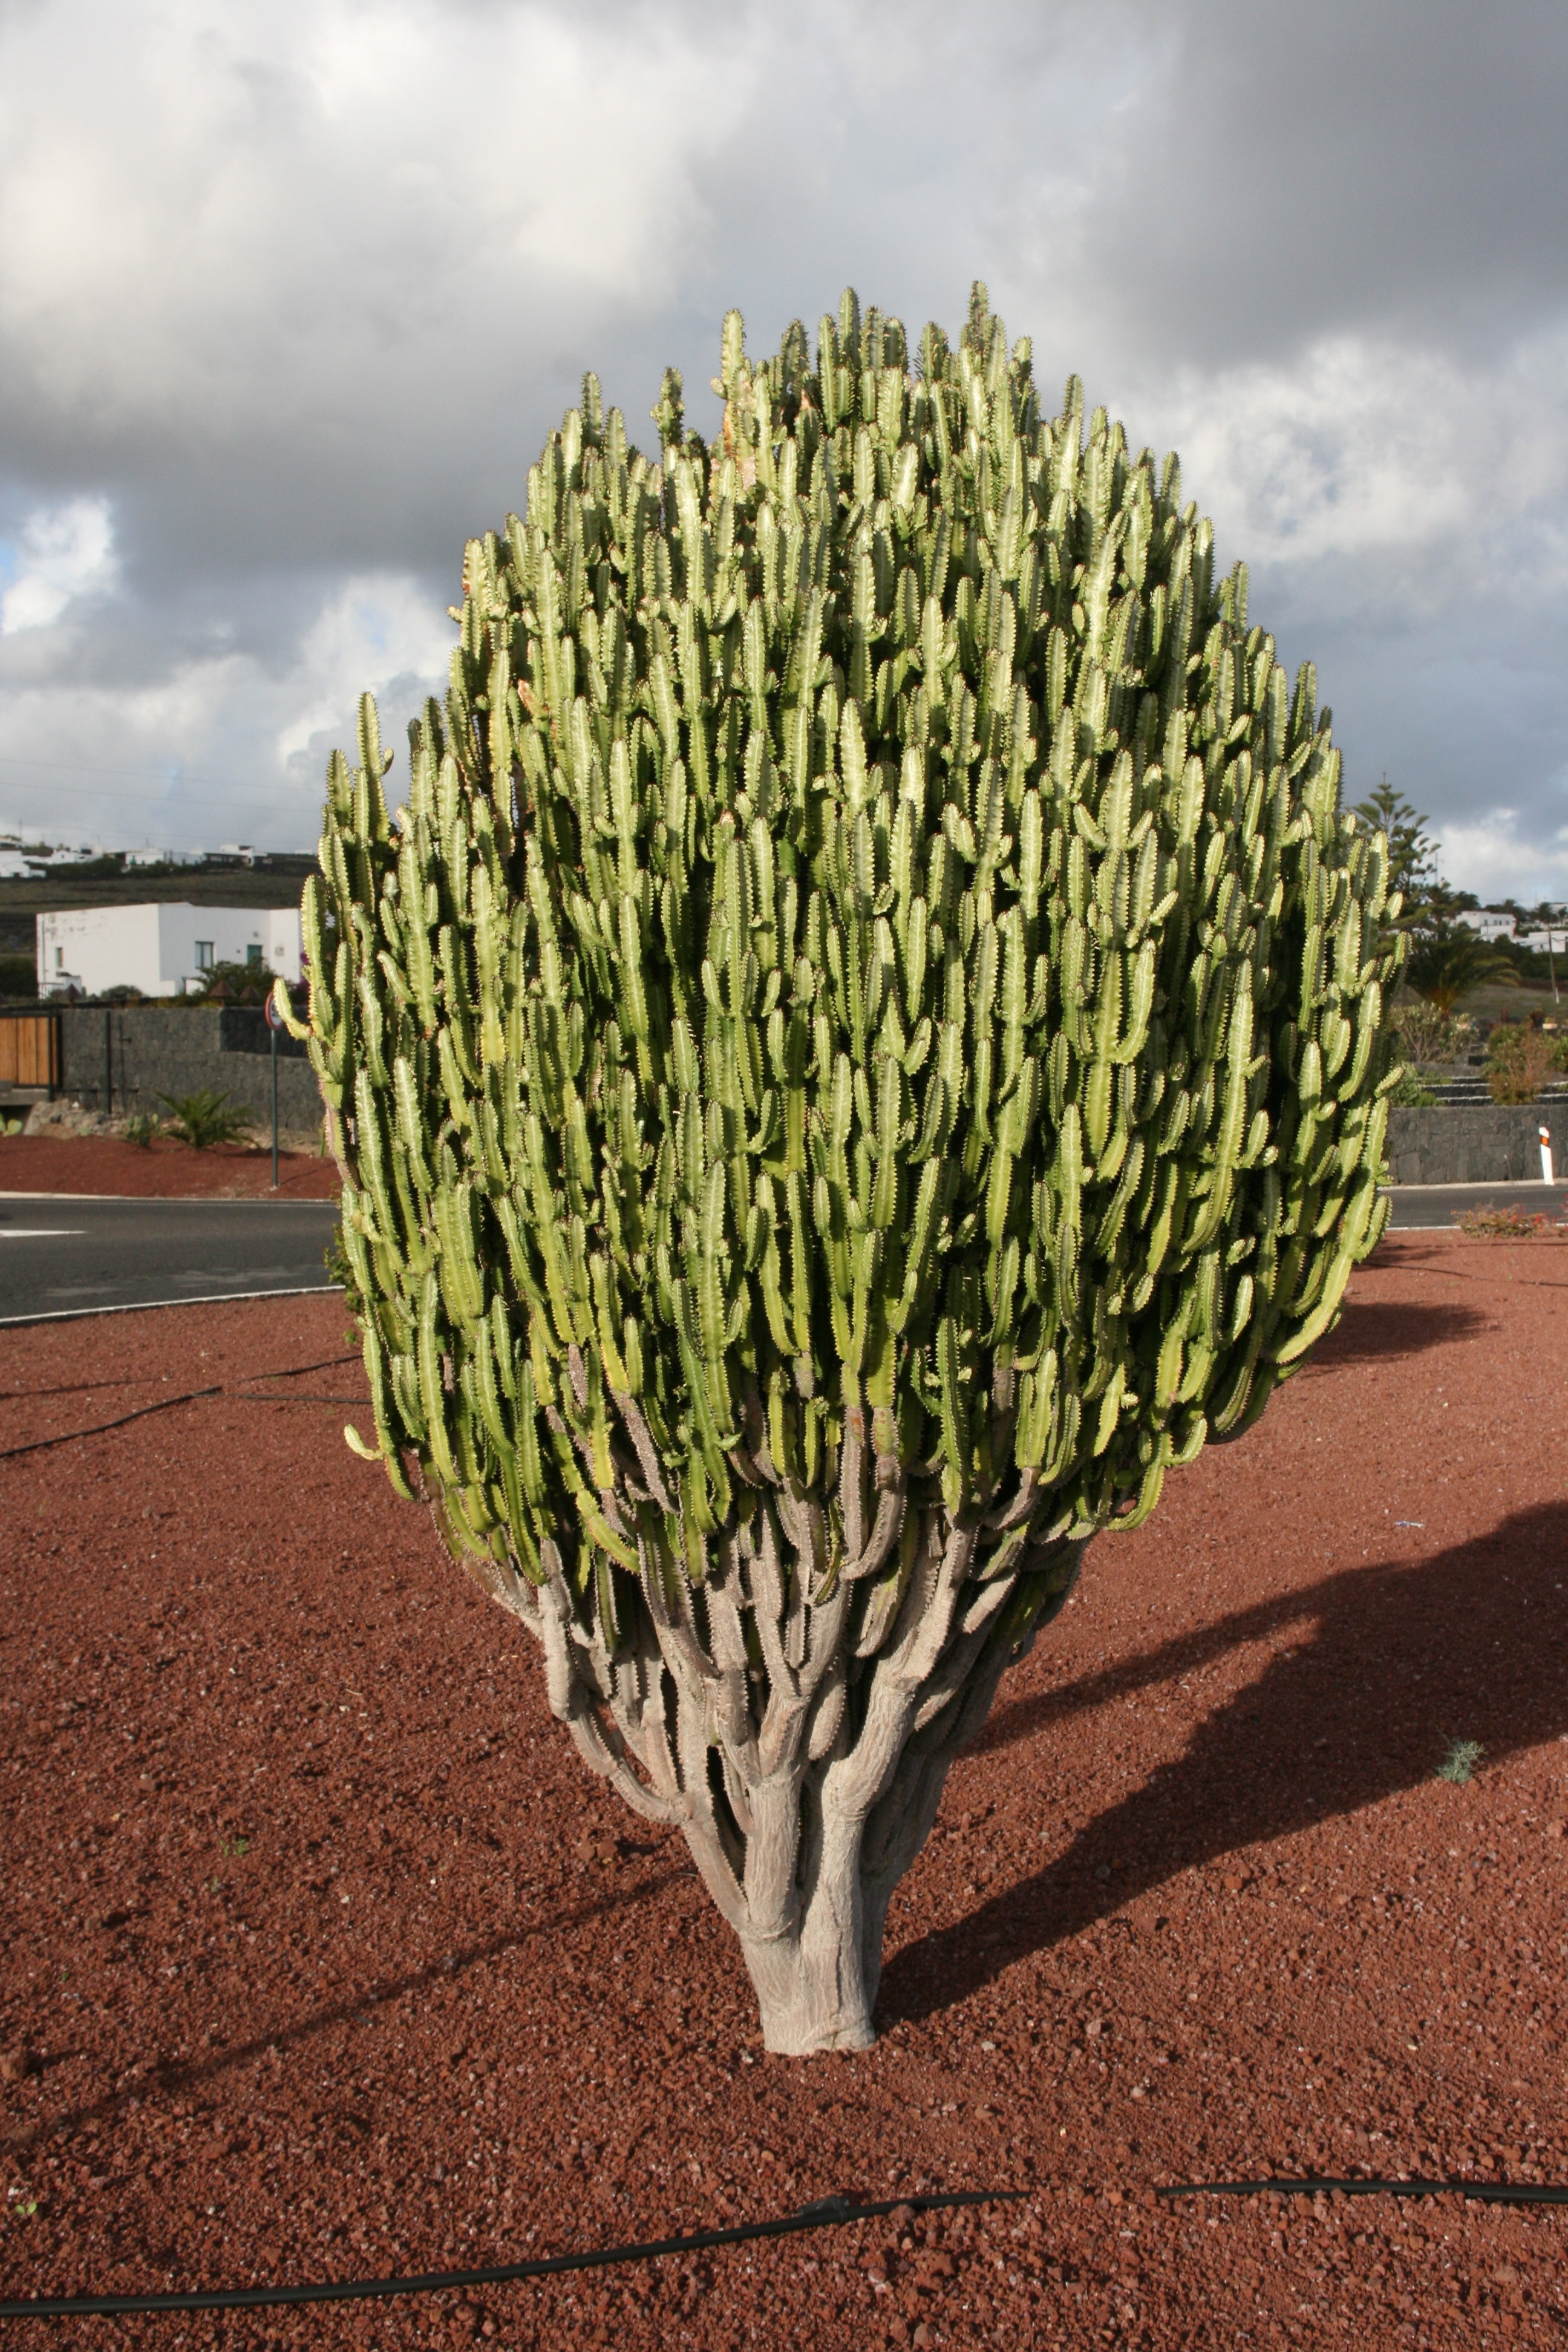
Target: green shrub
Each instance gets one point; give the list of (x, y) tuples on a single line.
[(863, 1050), (208, 1117), (18, 978)]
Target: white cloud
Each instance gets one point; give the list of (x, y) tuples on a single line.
[(60, 553), (221, 740), (227, 220), (1496, 863), (377, 633), (1396, 460)]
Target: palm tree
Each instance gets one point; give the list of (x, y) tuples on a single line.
[(1449, 960)]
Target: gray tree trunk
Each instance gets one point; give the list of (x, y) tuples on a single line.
[(796, 1712)]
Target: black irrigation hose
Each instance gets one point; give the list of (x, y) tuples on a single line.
[(82, 1388), (1484, 2192), (829, 2212), (36, 1445)]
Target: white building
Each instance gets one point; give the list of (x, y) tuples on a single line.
[(163, 951), (1489, 925)]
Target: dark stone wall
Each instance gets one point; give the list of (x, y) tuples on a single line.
[(152, 1050), (1485, 1143), (173, 1050)]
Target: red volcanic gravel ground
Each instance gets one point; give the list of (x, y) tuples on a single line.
[(326, 1958), (162, 1170)]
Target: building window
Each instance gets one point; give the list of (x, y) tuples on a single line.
[(59, 958), (253, 953), (204, 955)]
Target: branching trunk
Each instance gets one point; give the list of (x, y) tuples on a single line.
[(798, 1719)]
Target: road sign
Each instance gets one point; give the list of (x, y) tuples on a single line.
[(274, 1018)]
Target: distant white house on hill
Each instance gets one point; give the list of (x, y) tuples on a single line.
[(1490, 925), (163, 951)]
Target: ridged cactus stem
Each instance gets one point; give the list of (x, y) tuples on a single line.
[(862, 1050)]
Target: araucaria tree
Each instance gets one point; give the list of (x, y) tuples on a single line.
[(862, 1050)]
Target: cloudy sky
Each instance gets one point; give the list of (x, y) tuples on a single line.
[(289, 293)]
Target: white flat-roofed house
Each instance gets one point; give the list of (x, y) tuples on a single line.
[(162, 950), (1489, 923)]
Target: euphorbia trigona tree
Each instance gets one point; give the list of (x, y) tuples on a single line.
[(863, 1049)]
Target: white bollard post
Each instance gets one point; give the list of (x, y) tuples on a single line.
[(1545, 1135)]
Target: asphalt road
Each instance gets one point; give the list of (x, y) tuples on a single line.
[(61, 1257), (1416, 1205)]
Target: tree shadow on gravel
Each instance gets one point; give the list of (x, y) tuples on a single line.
[(174, 2076), (1387, 1663), (1372, 1330)]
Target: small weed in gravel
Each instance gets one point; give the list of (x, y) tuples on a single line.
[(1460, 1764)]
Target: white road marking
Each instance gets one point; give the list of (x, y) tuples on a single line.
[(40, 1232)]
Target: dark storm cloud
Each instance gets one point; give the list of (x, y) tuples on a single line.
[(1282, 173)]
